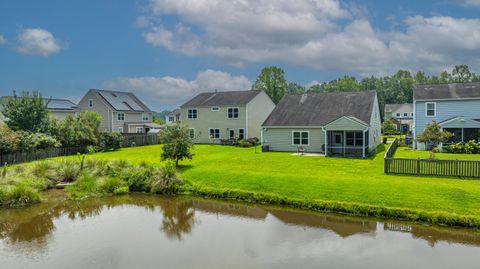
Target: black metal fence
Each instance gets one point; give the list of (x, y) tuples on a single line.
[(429, 167), (28, 156), (132, 140)]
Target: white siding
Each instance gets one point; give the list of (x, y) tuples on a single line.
[(258, 110), (280, 139), (375, 131)]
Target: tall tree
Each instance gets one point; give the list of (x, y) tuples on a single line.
[(27, 112), (272, 81), (460, 74), (294, 88)]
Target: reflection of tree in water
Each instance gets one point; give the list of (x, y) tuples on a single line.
[(178, 218)]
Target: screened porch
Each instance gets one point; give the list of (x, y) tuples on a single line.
[(346, 144)]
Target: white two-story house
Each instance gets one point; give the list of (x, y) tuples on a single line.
[(456, 107), (121, 111)]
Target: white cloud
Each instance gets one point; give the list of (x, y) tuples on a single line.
[(3, 40), (323, 34), (471, 3), (36, 41), (169, 92)]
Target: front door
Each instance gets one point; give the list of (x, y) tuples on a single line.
[(404, 128), (232, 134), (337, 142)]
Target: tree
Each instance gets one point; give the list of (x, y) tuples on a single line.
[(272, 81), (81, 130), (27, 112), (460, 74), (388, 127), (433, 135), (176, 143), (294, 88)]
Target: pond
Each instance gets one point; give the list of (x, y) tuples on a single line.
[(142, 231)]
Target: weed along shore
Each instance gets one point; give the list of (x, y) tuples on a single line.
[(241, 174)]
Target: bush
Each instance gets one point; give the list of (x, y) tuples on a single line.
[(139, 178), (110, 141), (8, 139), (67, 171), (85, 185), (112, 185), (18, 195), (471, 147), (167, 181)]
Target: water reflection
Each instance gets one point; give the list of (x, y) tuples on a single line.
[(33, 226)]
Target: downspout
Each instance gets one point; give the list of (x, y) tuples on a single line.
[(326, 146), (363, 151)]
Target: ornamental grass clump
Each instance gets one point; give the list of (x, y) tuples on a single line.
[(167, 180)]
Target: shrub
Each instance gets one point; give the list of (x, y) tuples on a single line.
[(91, 150), (139, 179), (110, 141), (167, 181), (67, 171), (18, 195), (471, 147), (8, 139), (111, 185), (85, 185), (43, 169)]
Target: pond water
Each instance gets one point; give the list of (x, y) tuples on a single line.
[(141, 231)]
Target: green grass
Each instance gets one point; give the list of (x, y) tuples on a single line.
[(223, 169), (404, 152)]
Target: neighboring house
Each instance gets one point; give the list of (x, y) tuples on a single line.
[(59, 108), (456, 107), (213, 116), (335, 124), (121, 111), (401, 115), (173, 117)]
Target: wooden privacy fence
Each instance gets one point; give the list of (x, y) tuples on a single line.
[(28, 156), (130, 140), (429, 167)]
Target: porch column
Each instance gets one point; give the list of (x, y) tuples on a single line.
[(326, 146), (363, 144), (344, 144)]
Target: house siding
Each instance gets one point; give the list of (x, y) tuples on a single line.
[(375, 130), (280, 139), (345, 124), (130, 118), (61, 115), (445, 109), (213, 119), (258, 110), (100, 107)]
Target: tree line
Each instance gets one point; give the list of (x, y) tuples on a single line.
[(394, 89)]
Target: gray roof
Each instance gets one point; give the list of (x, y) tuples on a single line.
[(447, 91), (54, 104), (397, 107), (221, 98), (319, 109), (122, 101), (174, 112)]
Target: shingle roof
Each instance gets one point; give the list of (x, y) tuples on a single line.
[(396, 107), (54, 104), (122, 101), (319, 109), (174, 112), (447, 91), (221, 98)]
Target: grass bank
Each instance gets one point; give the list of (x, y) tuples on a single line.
[(351, 186), (404, 152)]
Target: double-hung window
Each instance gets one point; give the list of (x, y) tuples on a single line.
[(121, 116), (398, 115), (214, 132), (405, 114), (171, 118), (145, 116), (241, 133), (354, 139), (191, 133), (300, 138), (139, 130), (233, 113), (193, 113), (431, 109)]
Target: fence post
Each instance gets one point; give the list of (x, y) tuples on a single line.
[(418, 166)]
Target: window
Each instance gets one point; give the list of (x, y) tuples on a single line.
[(411, 114), (215, 108), (241, 133), (233, 113), (90, 102), (145, 116), (191, 133), (431, 109), (120, 129), (171, 119), (398, 115), (193, 113), (121, 116), (300, 138), (405, 114), (139, 130), (214, 132), (354, 139)]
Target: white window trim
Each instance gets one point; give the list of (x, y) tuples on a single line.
[(215, 108), (219, 133), (405, 114), (118, 115), (90, 103), (145, 114), (244, 133), (295, 131), (228, 108), (139, 128), (434, 110), (188, 114), (398, 115), (193, 133), (120, 129)]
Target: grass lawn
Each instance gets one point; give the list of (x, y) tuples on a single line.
[(315, 178), (404, 152)]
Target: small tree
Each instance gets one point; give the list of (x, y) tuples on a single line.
[(176, 143), (27, 112), (388, 127), (433, 135)]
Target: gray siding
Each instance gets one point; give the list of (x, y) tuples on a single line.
[(100, 107), (280, 139), (257, 112), (375, 131), (345, 124)]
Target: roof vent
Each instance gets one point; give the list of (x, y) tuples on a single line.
[(303, 98), (114, 95)]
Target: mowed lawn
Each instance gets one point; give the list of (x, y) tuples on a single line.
[(404, 152), (315, 178)]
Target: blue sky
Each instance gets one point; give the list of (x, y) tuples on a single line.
[(166, 51)]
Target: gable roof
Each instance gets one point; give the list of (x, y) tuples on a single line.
[(221, 98), (396, 107), (174, 112), (319, 109), (121, 101), (447, 91), (53, 104)]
